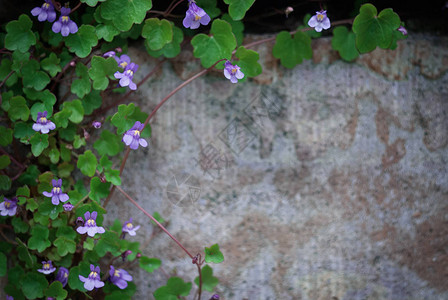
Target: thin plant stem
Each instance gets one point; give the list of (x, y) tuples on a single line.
[(6, 78), (154, 220), (200, 281), (170, 9)]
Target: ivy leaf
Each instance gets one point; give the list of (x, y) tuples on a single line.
[(32, 77), (82, 42), (5, 136), (108, 143), (237, 28), (3, 264), (81, 86), (47, 97), (4, 161), (372, 30), (171, 49), (23, 191), (87, 163), (5, 69), (22, 130), (39, 238), (210, 7), (208, 280), (19, 226), (49, 209), (25, 256), (91, 102), (113, 176), (107, 32), (213, 254), (98, 190), (109, 242), (29, 177), (5, 183), (238, 8), (157, 33), (248, 62), (174, 288), (92, 3), (33, 285), (76, 109), (124, 14), (343, 41), (100, 69), (39, 142), (55, 290), (61, 118), (219, 45), (292, 50), (149, 264), (51, 64), (65, 245), (158, 217), (18, 110), (126, 117), (83, 268), (19, 35)]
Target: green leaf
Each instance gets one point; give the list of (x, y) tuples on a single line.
[(67, 232), (87, 163), (19, 35), (33, 77), (18, 110), (19, 225), (343, 41), (124, 14), (158, 217), (237, 28), (83, 268), (5, 183), (39, 142), (5, 136), (213, 254), (109, 242), (4, 161), (5, 69), (210, 7), (113, 176), (174, 288), (51, 64), (89, 244), (61, 118), (311, 33), (23, 191), (157, 33), (107, 32), (92, 3), (55, 290), (39, 238), (3, 264), (372, 30), (100, 70), (171, 49), (29, 177), (25, 256), (49, 209), (79, 142), (126, 117), (208, 280), (292, 50), (91, 102), (76, 109), (81, 86), (149, 264), (22, 130), (65, 245), (108, 144), (82, 42), (218, 46), (98, 190), (18, 60), (248, 62), (33, 285), (238, 8)]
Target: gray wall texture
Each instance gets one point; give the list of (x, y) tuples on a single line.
[(327, 181)]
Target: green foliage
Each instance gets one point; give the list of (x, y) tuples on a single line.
[(51, 64), (126, 117), (124, 14), (157, 33), (171, 49), (82, 85), (39, 238), (237, 28), (108, 144), (374, 30), (248, 62), (208, 280), (174, 288), (344, 42), (100, 70), (39, 142), (149, 264), (18, 110), (238, 8), (55, 290), (19, 35), (221, 43), (33, 285), (82, 42), (3, 264), (292, 50), (87, 163), (213, 254)]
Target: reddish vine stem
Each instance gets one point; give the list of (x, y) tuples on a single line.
[(170, 9), (154, 220), (76, 7), (200, 281), (56, 80), (6, 78)]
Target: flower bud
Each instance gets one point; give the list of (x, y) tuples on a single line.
[(96, 124), (215, 297), (72, 64), (67, 206), (80, 221)]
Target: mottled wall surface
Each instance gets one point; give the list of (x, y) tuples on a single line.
[(327, 180)]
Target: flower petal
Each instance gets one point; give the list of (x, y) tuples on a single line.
[(55, 200), (81, 230), (127, 139), (143, 142), (63, 197), (36, 11), (89, 284), (56, 27)]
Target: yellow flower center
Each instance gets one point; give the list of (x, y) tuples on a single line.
[(129, 225), (43, 120), (56, 190), (93, 274), (130, 72), (197, 18), (123, 64), (320, 17), (117, 273), (91, 222), (65, 275), (7, 204), (64, 18), (46, 5), (46, 266), (234, 70), (136, 133)]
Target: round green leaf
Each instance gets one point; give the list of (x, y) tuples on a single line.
[(238, 8), (81, 86), (51, 64), (55, 290), (343, 41), (39, 142), (18, 110), (76, 109), (149, 264), (5, 136), (248, 62), (125, 13), (33, 285), (98, 190), (213, 254), (19, 35), (108, 143), (100, 69), (174, 288), (39, 238), (81, 43), (208, 280), (87, 163), (292, 50), (157, 33)]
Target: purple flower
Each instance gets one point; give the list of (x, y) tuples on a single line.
[(47, 267), (56, 193), (62, 276), (80, 221), (127, 75), (403, 30), (64, 25), (215, 297), (42, 123), (45, 13), (90, 225), (132, 136), (129, 227), (109, 54), (232, 72), (119, 277), (8, 207), (8, 297), (94, 280), (67, 206), (319, 21), (96, 124), (195, 16), (124, 61)]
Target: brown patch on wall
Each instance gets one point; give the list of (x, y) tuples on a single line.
[(289, 181), (394, 153)]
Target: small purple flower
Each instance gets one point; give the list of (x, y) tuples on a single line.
[(403, 30), (215, 297), (79, 221), (232, 72), (89, 226), (129, 227), (96, 124), (94, 280), (8, 297), (64, 25), (62, 276), (45, 13), (124, 61), (42, 123), (67, 206), (195, 16), (47, 267), (109, 54), (119, 277), (8, 207), (132, 136), (127, 75), (319, 21), (56, 193)]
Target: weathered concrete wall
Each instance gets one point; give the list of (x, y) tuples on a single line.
[(336, 186)]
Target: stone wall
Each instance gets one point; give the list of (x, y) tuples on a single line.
[(327, 181)]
